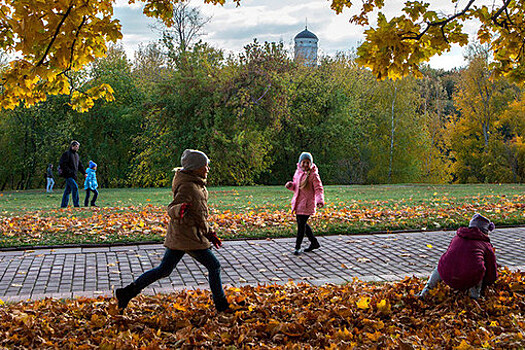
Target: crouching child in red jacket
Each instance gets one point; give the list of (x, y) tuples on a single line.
[(469, 262)]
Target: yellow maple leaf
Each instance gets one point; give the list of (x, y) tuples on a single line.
[(374, 336), (383, 306), (179, 307), (463, 346), (363, 303)]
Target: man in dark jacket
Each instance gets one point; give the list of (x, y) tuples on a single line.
[(69, 166)]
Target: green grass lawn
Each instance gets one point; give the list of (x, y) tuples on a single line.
[(258, 211), (239, 198)]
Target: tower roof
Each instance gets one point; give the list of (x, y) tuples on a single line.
[(306, 34)]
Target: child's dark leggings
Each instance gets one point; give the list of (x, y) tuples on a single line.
[(95, 195), (302, 228)]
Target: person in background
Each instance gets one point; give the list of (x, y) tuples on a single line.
[(69, 165), (90, 184), (50, 180)]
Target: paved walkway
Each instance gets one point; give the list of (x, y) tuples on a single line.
[(74, 272)]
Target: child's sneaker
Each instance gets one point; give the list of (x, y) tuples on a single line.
[(297, 252)]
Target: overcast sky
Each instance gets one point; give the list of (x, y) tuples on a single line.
[(231, 27)]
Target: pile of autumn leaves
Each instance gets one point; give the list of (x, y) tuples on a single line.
[(357, 315)]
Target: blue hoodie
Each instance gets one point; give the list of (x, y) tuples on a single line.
[(91, 179)]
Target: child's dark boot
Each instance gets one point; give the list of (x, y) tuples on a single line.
[(124, 295), (222, 305), (314, 245)]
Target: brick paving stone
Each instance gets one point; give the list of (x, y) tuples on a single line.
[(75, 272)]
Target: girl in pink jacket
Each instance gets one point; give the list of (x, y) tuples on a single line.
[(308, 194)]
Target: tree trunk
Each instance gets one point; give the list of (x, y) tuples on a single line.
[(392, 135), (486, 136)]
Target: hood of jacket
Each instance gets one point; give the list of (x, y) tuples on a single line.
[(473, 233), (313, 169), (182, 176)]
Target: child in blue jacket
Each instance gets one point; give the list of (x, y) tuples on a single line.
[(90, 184)]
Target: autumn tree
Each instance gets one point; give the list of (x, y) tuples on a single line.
[(150, 64), (395, 138), (480, 100), (188, 27), (435, 89), (107, 131), (397, 46), (512, 127), (179, 115), (53, 38)]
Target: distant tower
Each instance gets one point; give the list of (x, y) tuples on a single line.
[(306, 48)]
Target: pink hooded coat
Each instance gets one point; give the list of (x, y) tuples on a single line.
[(304, 200)]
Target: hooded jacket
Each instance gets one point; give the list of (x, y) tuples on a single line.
[(304, 200), (70, 164), (188, 232), (468, 260), (90, 183)]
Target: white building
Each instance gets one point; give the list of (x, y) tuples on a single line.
[(305, 48)]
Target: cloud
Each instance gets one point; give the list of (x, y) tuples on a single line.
[(136, 28), (452, 59), (231, 27)]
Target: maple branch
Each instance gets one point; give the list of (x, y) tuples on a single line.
[(503, 22), (442, 23), (75, 40), (55, 35)]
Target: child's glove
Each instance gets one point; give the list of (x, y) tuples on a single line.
[(212, 237), (183, 209)]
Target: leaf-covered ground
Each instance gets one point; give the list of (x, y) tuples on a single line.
[(131, 224), (357, 315)]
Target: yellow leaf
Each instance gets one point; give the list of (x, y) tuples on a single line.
[(429, 245), (383, 306), (179, 307), (1, 302), (463, 346), (374, 336), (363, 303)]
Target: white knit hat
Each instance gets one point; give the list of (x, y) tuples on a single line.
[(192, 159), (306, 155)]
